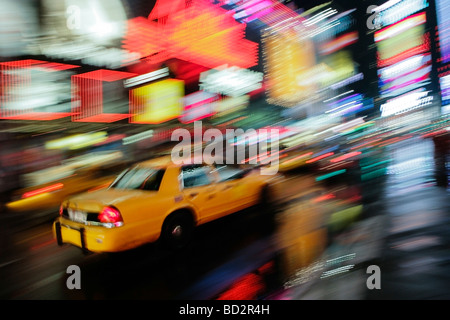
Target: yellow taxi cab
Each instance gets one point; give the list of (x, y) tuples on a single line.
[(157, 200)]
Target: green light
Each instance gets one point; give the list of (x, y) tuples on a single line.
[(329, 175)]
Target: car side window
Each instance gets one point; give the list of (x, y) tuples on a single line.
[(153, 181), (195, 176), (227, 173)]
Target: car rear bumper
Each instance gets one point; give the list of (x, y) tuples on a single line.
[(90, 238)]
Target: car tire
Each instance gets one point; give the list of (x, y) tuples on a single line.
[(177, 231)]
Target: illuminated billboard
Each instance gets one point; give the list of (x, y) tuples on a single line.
[(196, 31), (157, 102), (198, 105), (403, 57), (100, 96), (35, 90), (287, 58), (443, 43)]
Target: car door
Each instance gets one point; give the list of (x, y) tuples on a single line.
[(230, 188), (199, 190)]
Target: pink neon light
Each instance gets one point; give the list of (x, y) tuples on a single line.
[(191, 30), (320, 157), (345, 156), (299, 157)]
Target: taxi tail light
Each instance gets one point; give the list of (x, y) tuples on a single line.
[(110, 215)]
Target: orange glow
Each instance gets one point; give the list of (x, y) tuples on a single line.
[(100, 187), (327, 196), (51, 188)]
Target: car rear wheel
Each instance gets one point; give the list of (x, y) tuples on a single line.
[(177, 231)]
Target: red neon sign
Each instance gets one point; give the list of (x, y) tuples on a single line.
[(87, 96), (196, 31)]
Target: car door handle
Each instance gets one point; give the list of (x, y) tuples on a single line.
[(226, 188), (193, 195)]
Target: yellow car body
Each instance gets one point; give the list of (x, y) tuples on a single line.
[(155, 199), (49, 196), (46, 189)]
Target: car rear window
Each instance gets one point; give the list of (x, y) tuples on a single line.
[(139, 178)]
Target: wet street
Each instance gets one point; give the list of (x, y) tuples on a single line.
[(404, 232)]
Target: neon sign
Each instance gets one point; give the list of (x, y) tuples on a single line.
[(199, 105), (231, 81), (195, 31), (407, 102), (401, 10)]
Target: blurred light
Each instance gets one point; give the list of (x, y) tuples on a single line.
[(36, 192), (339, 43), (405, 103), (35, 90), (347, 81), (288, 58), (336, 271), (298, 157), (230, 81), (151, 76), (331, 174), (137, 137), (198, 105), (404, 66), (325, 197), (77, 141), (200, 32), (443, 19), (157, 102), (320, 157), (252, 10), (339, 95), (398, 11), (346, 156), (411, 46), (386, 5), (90, 104), (401, 26), (320, 16)]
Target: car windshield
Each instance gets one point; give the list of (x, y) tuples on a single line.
[(139, 178)]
